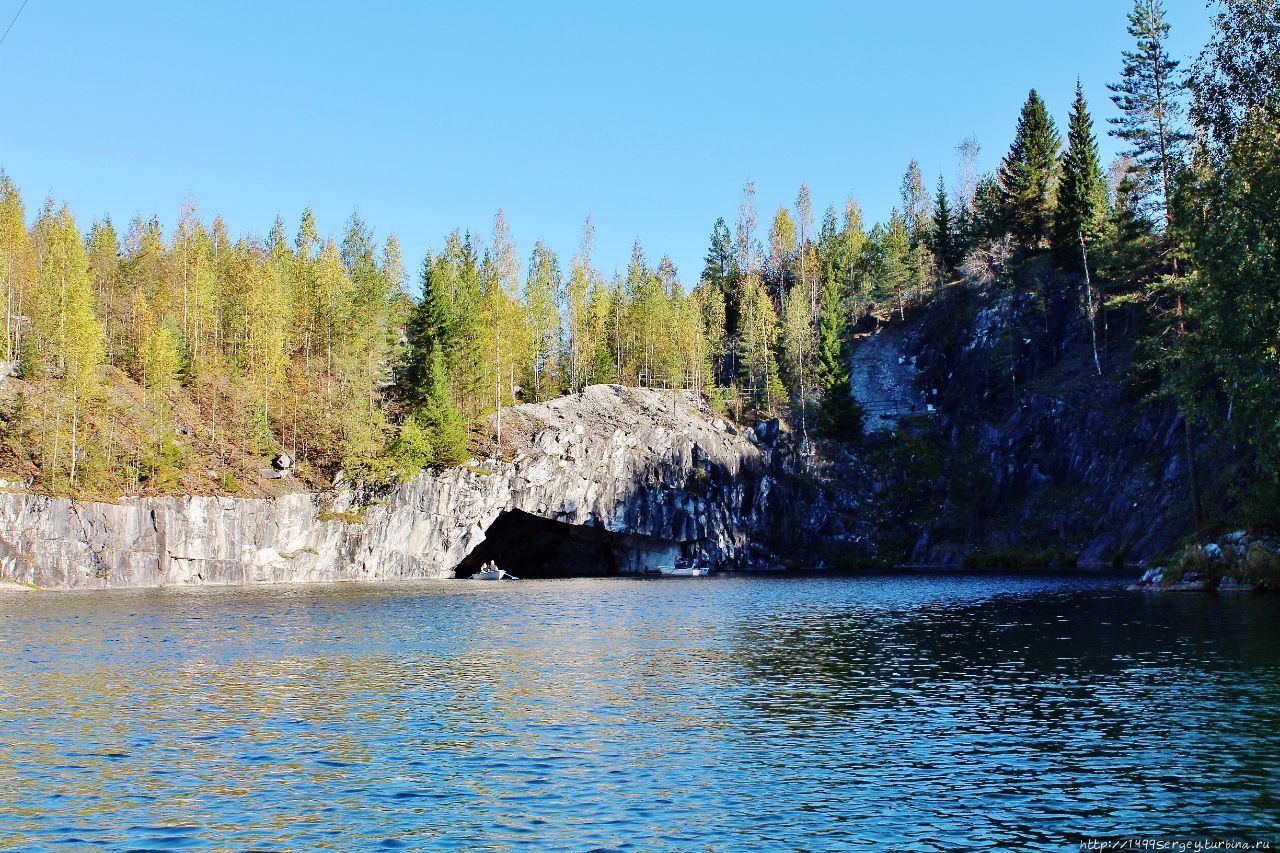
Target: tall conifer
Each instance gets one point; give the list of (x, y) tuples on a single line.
[(1029, 175), (1082, 195)]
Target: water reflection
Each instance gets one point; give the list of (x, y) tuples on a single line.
[(914, 713)]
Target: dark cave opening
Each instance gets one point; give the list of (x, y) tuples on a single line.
[(529, 546)]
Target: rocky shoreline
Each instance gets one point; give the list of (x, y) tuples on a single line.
[(612, 480), (1237, 562)]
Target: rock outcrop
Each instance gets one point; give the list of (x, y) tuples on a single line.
[(652, 474)]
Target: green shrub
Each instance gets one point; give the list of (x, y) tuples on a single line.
[(1260, 567), (351, 516), (229, 482), (1195, 560), (411, 450), (162, 464)]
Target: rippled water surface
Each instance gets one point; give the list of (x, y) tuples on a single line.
[(916, 712)]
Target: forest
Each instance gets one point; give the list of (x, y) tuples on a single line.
[(148, 362)]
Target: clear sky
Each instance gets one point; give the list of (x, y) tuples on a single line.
[(647, 116)]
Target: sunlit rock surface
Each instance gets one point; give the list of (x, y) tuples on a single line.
[(656, 466)]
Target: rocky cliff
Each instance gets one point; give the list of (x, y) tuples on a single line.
[(994, 439), (623, 478), (1029, 449)]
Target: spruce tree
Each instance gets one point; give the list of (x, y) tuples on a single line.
[(943, 238), (986, 221), (448, 433), (1029, 176), (718, 271), (839, 415), (1082, 194), (897, 274)]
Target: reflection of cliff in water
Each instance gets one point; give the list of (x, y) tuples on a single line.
[(1037, 655), (1035, 713), (728, 713)]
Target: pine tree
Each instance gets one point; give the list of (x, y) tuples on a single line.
[(1028, 176), (1148, 121), (1147, 96), (1082, 195)]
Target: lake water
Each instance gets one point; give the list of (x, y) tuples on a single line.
[(738, 713)]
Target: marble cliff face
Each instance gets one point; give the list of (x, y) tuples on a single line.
[(638, 476)]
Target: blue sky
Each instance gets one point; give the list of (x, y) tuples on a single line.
[(647, 116)]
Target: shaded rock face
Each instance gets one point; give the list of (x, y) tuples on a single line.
[(992, 441), (882, 377), (653, 474), (1058, 454)]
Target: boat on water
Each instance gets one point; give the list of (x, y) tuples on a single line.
[(682, 569), (490, 572)]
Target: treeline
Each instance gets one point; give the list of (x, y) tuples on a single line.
[(277, 343), (311, 345)]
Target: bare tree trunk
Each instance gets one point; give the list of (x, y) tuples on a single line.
[(1193, 478), (1088, 289), (497, 380), (186, 276), (17, 328), (75, 423), (62, 321), (8, 311), (57, 436)]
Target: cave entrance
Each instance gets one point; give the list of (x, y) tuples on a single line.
[(529, 546)]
